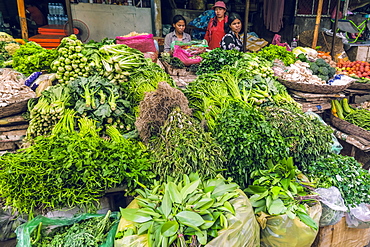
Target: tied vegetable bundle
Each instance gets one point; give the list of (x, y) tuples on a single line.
[(70, 169)]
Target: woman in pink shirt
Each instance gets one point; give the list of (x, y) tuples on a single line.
[(215, 30)]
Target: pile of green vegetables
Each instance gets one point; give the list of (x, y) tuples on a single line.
[(175, 62), (70, 169), (273, 52), (182, 147), (31, 57), (97, 98), (307, 137), (278, 190), (90, 232), (248, 141), (214, 60), (322, 69), (7, 50), (343, 172), (166, 218)]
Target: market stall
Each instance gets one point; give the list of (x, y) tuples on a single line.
[(229, 152)]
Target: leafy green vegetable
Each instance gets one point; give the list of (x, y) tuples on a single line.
[(248, 141), (273, 52), (214, 60), (182, 147), (70, 169), (343, 172), (31, 57), (278, 190), (181, 213)]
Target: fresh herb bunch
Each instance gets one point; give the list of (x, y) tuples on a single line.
[(214, 60), (167, 219), (89, 232), (308, 138), (97, 98), (273, 52), (31, 57), (343, 172), (70, 169), (182, 147), (278, 190), (248, 141)]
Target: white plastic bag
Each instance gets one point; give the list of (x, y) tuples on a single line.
[(333, 207), (359, 217)]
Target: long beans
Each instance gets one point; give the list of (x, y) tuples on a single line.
[(359, 117)]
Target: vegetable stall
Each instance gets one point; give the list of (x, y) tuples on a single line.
[(231, 152)]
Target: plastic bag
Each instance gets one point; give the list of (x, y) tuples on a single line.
[(143, 43), (359, 217), (333, 207), (196, 43), (185, 56), (280, 230), (24, 231), (8, 223), (336, 147), (243, 230)]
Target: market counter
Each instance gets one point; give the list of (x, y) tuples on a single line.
[(105, 20)]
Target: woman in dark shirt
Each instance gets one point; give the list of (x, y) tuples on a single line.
[(232, 38)]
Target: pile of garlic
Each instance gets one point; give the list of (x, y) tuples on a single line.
[(300, 72)]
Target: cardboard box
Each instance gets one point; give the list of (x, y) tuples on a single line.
[(339, 235), (359, 53)]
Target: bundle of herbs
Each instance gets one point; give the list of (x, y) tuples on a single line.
[(173, 222), (343, 172), (282, 189), (90, 232), (213, 61), (70, 169), (248, 141), (97, 98), (182, 147), (307, 136), (156, 107)]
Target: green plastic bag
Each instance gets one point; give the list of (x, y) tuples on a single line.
[(243, 230), (24, 231), (280, 230), (195, 43)]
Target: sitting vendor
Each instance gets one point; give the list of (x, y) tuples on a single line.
[(178, 27), (233, 39)]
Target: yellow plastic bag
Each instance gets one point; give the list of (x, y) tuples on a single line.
[(243, 230), (281, 231)]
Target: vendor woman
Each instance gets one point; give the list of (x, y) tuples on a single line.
[(232, 39), (178, 27)]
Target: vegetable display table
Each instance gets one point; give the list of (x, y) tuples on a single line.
[(317, 103), (353, 93)]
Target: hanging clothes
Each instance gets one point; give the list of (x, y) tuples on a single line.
[(273, 11)]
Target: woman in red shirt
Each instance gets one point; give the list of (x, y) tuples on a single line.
[(215, 30)]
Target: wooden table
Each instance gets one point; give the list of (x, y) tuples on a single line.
[(352, 93)]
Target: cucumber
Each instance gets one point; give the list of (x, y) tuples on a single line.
[(346, 108), (339, 109)]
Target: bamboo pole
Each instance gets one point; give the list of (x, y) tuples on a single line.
[(70, 19), (246, 20), (335, 30), (317, 24), (22, 18)]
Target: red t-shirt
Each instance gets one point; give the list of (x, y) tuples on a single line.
[(214, 34)]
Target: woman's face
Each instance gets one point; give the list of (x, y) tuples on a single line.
[(236, 26), (179, 26), (220, 12)]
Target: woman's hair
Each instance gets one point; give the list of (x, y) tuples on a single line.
[(232, 17), (175, 20)]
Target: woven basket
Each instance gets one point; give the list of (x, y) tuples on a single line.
[(357, 85), (13, 109), (177, 72), (349, 128), (314, 88)]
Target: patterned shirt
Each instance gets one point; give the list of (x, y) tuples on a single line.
[(172, 37), (230, 42)]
